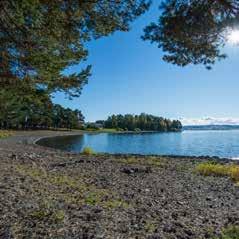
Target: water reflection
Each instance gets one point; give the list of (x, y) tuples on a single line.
[(72, 143), (213, 143)]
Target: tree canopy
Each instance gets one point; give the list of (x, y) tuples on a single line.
[(144, 122), (39, 39), (193, 31), (24, 107)]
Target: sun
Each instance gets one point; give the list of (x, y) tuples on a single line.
[(233, 37)]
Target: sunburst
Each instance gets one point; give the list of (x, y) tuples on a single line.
[(233, 37)]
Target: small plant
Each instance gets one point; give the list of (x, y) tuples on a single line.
[(5, 133), (115, 203), (229, 233), (148, 161), (48, 214), (219, 170), (92, 199), (212, 169), (40, 214), (119, 129), (150, 226), (58, 216), (88, 151), (234, 174)]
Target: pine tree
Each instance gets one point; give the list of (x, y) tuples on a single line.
[(39, 39), (193, 32)]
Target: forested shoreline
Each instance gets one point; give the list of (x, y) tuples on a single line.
[(142, 122), (25, 108), (35, 110)]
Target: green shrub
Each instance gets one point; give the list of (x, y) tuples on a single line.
[(92, 126), (88, 151)]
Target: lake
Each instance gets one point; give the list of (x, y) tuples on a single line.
[(221, 143)]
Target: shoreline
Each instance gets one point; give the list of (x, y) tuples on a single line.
[(222, 159), (56, 194)]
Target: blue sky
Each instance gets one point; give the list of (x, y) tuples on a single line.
[(129, 76)]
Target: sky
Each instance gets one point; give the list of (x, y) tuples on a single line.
[(129, 76)]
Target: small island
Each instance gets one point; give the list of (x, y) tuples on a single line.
[(142, 122)]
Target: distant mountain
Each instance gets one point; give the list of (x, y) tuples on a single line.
[(210, 127)]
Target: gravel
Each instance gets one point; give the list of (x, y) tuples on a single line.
[(47, 193)]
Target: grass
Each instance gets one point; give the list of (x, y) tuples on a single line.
[(103, 130), (148, 161), (5, 133), (56, 216), (229, 233), (107, 130), (88, 151), (116, 203), (219, 170), (69, 189)]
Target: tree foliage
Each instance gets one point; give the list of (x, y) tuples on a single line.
[(193, 31), (39, 39), (142, 122), (28, 108)]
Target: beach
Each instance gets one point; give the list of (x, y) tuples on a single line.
[(48, 193)]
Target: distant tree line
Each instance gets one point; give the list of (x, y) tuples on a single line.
[(142, 122), (28, 108)]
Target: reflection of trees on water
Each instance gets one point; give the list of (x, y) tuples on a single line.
[(193, 143), (68, 143)]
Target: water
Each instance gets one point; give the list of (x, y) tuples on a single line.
[(219, 143)]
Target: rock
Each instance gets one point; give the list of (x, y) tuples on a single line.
[(169, 228), (174, 215), (155, 236), (6, 233), (133, 170), (189, 232), (14, 156)]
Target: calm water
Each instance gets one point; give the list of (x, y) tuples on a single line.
[(194, 143)]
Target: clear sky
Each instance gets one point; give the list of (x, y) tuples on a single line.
[(129, 76)]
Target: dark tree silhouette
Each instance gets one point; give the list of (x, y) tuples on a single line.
[(193, 31)]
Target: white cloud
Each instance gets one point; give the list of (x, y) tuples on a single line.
[(210, 121)]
